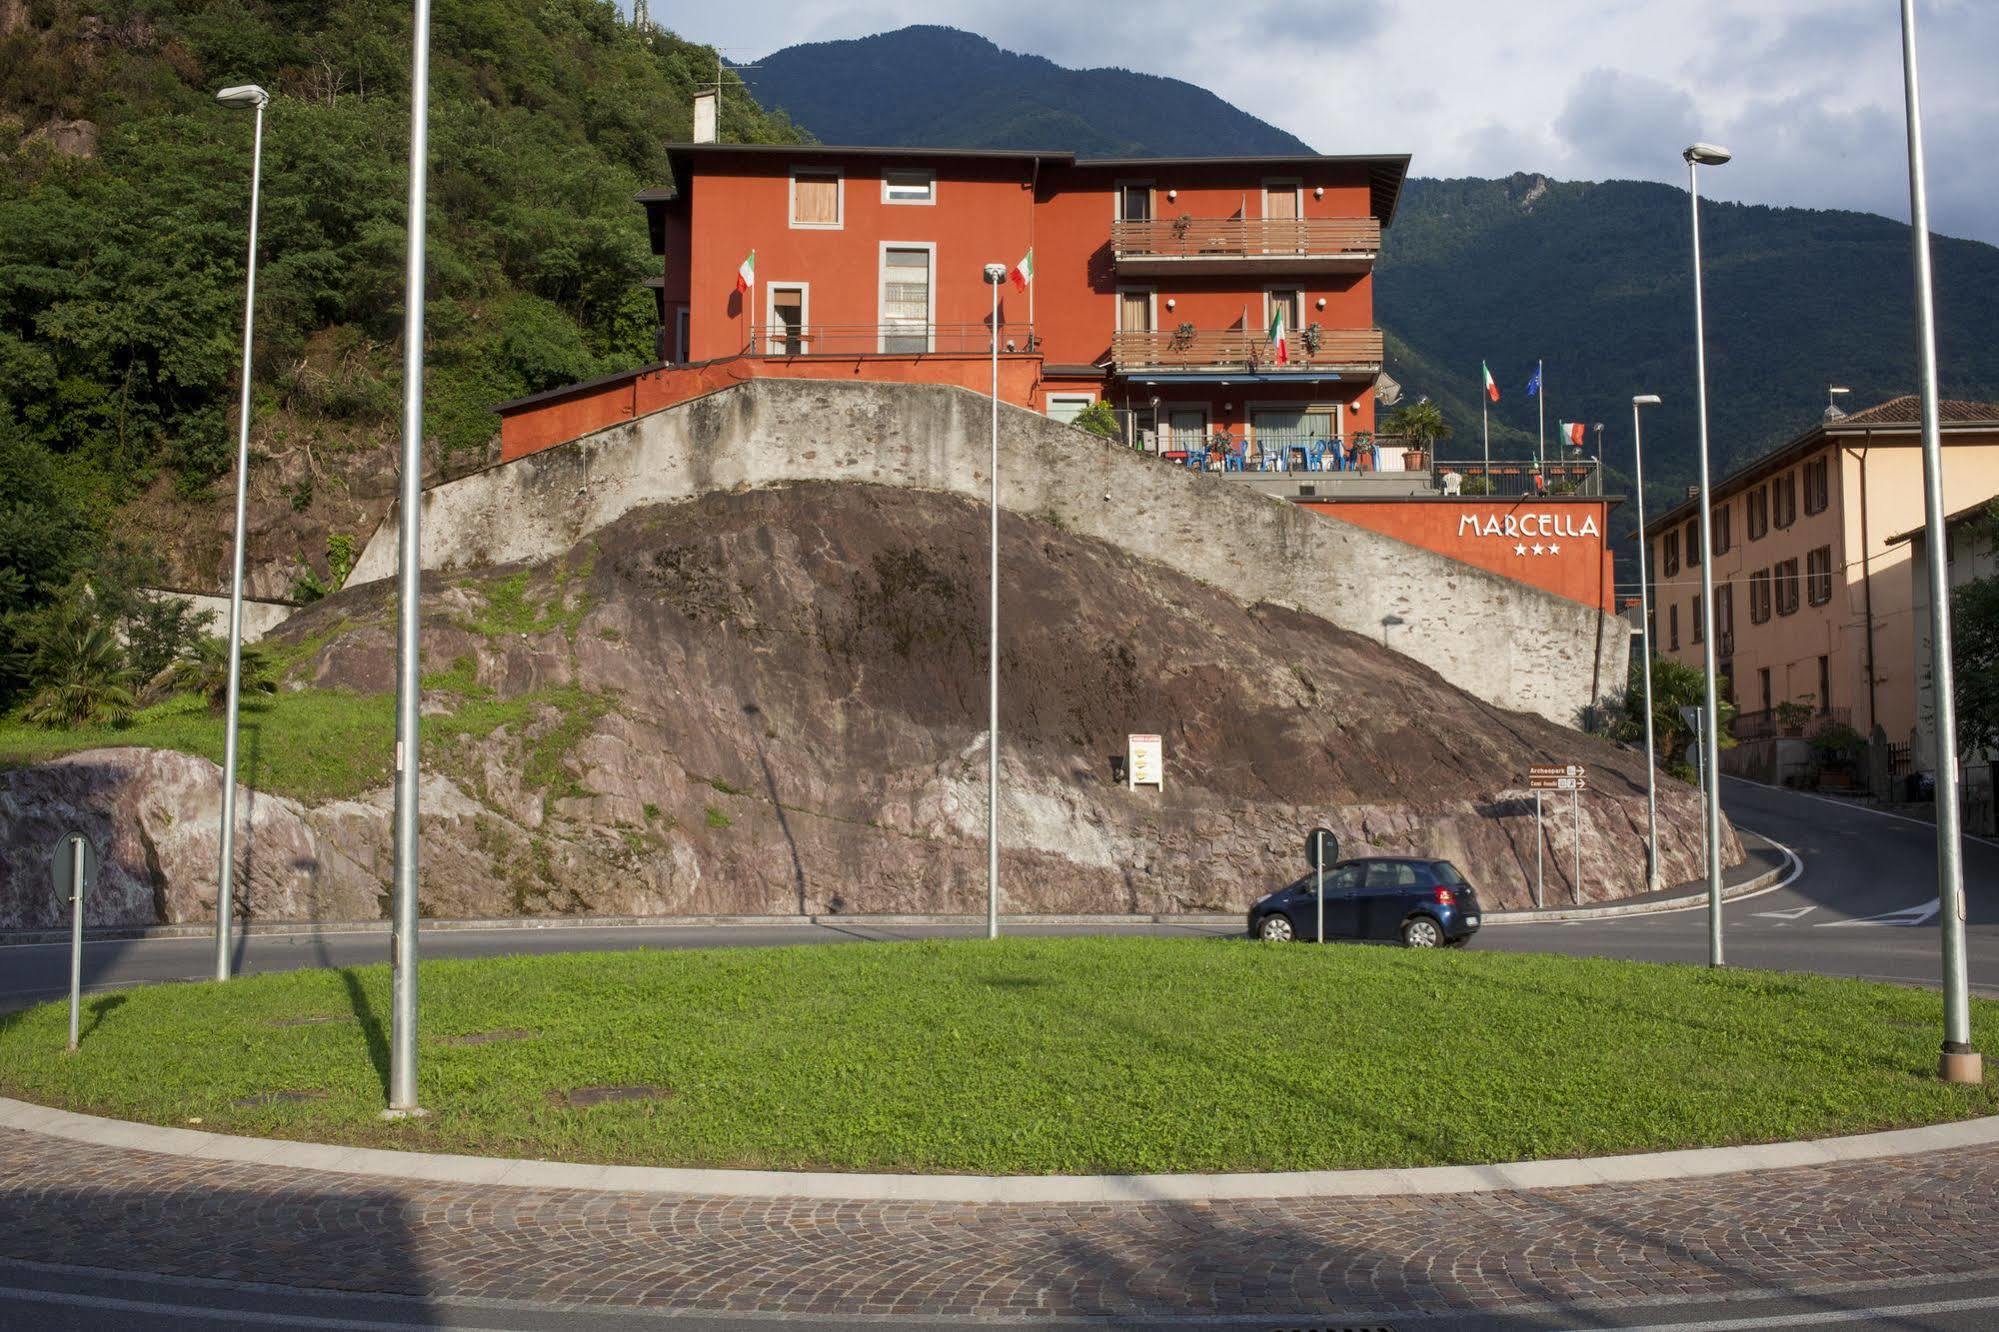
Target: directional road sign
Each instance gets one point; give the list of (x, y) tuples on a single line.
[(1558, 777)]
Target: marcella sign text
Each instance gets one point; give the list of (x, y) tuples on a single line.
[(1513, 526)]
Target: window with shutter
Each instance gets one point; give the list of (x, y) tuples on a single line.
[(1818, 574), (905, 299), (815, 199)]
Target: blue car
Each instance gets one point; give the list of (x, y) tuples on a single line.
[(1423, 903)]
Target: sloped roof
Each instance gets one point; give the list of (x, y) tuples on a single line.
[(1908, 410)]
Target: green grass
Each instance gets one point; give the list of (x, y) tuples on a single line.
[(1026, 1056), (327, 744)]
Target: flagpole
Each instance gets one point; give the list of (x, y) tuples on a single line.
[(1541, 392)]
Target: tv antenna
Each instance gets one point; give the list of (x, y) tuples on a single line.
[(1832, 408)]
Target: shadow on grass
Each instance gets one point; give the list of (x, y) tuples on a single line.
[(371, 1026), (98, 1009)]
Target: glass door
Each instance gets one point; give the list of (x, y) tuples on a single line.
[(905, 299)]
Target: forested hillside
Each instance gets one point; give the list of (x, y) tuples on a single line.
[(939, 86), (124, 193)]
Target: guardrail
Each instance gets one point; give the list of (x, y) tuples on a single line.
[(1222, 351), (1509, 479), (1252, 238), (885, 339)]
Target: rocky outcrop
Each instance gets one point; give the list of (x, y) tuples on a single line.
[(773, 701)]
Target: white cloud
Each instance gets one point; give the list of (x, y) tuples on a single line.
[(1807, 92)]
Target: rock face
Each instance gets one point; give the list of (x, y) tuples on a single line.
[(773, 701)]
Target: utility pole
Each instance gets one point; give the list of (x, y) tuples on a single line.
[(1958, 1062)]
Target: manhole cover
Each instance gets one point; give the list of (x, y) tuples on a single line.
[(487, 1037), (276, 1098), (578, 1098), (311, 1020)]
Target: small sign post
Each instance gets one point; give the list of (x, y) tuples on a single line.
[(72, 870), (1540, 852), (1570, 777), (1145, 762)]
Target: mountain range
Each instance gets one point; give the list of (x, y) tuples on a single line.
[(1594, 279)]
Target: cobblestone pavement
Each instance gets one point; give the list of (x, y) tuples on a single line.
[(1795, 1229)]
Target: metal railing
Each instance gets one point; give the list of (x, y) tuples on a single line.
[(1799, 720), (1508, 479), (1252, 238), (886, 339), (1222, 351)]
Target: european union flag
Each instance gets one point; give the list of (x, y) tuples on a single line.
[(1534, 384)]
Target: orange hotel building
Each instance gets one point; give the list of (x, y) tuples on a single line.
[(1155, 282)]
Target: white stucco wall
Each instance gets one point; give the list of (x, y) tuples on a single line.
[(1503, 641)]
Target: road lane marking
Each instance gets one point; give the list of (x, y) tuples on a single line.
[(1906, 917), (1865, 809), (1790, 913), (217, 1314)]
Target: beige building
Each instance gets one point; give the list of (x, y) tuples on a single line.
[(1814, 600), (1971, 552)]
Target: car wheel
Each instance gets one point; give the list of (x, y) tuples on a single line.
[(1275, 929), (1422, 932)]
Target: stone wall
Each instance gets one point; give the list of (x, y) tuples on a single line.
[(1500, 640)]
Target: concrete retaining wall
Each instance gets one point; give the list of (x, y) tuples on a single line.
[(1499, 640)]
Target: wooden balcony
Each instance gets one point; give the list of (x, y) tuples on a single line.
[(1346, 353), (1273, 246)]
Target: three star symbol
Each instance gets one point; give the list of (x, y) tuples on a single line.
[(1552, 548)]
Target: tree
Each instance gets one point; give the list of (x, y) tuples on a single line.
[(82, 676), (1974, 613), (1421, 421), (202, 669), (1674, 686), (1098, 419)]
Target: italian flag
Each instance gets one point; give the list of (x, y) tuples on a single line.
[(1572, 433), (746, 276), (1280, 345), (1491, 386), (1023, 272)]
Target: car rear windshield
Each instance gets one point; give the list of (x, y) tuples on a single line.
[(1447, 874)]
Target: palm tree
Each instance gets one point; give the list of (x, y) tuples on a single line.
[(202, 669), (84, 678), (1422, 422)]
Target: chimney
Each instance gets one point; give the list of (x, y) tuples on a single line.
[(704, 117)]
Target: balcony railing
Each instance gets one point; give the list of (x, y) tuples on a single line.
[(885, 339), (1796, 719), (1233, 351), (1509, 479), (1288, 242)]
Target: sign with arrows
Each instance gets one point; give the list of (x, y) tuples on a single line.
[(1558, 777)]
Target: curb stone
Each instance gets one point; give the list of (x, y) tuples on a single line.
[(24, 1116)]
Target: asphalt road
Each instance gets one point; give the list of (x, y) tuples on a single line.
[(1864, 906)]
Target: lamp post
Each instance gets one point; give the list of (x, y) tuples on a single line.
[(1698, 156), (1958, 1062), (243, 95), (1645, 630), (995, 274), (409, 574)]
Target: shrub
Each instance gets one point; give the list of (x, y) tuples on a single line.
[(203, 670), (1098, 419), (83, 678)]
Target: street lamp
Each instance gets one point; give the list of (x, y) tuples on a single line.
[(995, 274), (409, 630), (1958, 1062), (1698, 156), (243, 95), (1645, 622)]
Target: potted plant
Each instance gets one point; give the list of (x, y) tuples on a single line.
[(1423, 425)]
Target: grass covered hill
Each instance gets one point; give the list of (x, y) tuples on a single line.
[(123, 206), (939, 86)]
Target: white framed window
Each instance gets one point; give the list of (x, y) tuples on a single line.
[(1066, 407), (818, 198), (1137, 309), (787, 315), (909, 185), (908, 309), (1131, 201)]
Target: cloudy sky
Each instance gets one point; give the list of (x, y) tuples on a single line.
[(1808, 93)]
